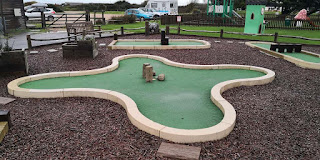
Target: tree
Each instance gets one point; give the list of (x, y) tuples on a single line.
[(29, 3), (289, 6)]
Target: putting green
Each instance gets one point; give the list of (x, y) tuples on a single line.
[(181, 101), (302, 56), (173, 43)]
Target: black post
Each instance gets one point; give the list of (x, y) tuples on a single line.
[(179, 28), (115, 36), (29, 42), (94, 17), (275, 37), (43, 20), (221, 33), (122, 31), (147, 29), (167, 30), (87, 16), (103, 20)]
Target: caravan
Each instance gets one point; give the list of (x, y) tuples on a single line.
[(167, 6)]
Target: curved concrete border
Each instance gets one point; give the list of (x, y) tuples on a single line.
[(216, 132), (112, 45), (298, 62)]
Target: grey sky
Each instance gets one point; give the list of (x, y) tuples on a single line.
[(180, 2)]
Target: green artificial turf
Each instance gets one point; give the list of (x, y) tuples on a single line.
[(181, 101)]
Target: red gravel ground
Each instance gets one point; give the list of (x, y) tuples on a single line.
[(280, 120)]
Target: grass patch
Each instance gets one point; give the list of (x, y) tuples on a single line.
[(303, 33)]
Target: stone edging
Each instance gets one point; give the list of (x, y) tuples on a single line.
[(112, 45), (216, 132), (296, 61)]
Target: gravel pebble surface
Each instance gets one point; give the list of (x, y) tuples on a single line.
[(280, 120)]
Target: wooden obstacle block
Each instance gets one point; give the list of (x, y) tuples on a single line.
[(281, 48), (297, 48), (144, 69), (274, 47), (289, 48), (5, 117), (4, 128), (149, 73), (161, 77), (177, 151)]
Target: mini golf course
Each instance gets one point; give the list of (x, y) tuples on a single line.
[(156, 44), (304, 59), (180, 102)]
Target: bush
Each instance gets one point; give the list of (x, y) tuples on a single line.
[(125, 19), (99, 22), (55, 7)]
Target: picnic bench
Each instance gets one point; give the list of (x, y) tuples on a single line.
[(76, 28)]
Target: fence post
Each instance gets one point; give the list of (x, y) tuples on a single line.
[(43, 21), (87, 16), (122, 31), (221, 33), (103, 20), (275, 37), (75, 33), (147, 30), (29, 42), (84, 33), (167, 30), (94, 17)]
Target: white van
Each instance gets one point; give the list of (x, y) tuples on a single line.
[(167, 6)]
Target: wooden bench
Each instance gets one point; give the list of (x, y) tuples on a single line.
[(76, 28)]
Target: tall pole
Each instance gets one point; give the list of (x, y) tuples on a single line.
[(2, 18)]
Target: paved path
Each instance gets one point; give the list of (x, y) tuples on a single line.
[(20, 41)]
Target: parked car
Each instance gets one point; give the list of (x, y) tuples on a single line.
[(140, 14), (36, 13), (152, 11)]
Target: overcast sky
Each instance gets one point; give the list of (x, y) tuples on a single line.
[(180, 2)]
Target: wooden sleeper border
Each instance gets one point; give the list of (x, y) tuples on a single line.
[(215, 132)]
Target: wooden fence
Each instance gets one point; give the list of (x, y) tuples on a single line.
[(272, 21), (202, 19), (60, 19)]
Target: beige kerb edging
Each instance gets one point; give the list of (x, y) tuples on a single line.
[(112, 45), (173, 134), (296, 61)]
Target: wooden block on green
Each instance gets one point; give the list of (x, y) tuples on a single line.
[(177, 151)]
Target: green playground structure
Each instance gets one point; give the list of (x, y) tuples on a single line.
[(220, 8)]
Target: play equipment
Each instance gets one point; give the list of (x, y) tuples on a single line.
[(255, 23), (220, 8), (302, 16)]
